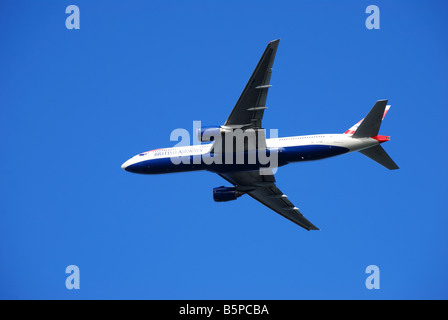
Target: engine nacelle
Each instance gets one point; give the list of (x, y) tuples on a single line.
[(208, 134), (222, 194)]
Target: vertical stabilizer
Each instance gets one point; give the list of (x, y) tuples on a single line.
[(355, 127), (371, 124)]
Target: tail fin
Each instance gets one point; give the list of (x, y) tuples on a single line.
[(369, 127), (379, 155), (373, 118)]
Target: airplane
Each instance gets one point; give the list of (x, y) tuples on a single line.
[(254, 177)]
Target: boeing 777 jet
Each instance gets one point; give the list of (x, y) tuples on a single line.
[(239, 152)]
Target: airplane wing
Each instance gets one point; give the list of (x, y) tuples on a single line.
[(263, 189), (249, 109), (247, 114)]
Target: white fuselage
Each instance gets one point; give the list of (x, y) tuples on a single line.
[(290, 149)]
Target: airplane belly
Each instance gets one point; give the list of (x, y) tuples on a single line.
[(311, 152)]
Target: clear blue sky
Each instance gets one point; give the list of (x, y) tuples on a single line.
[(75, 104)]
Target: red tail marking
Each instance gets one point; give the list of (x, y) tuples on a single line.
[(381, 139)]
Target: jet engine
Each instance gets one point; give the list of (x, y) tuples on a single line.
[(222, 194), (208, 134)]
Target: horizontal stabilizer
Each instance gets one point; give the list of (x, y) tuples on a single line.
[(379, 155)]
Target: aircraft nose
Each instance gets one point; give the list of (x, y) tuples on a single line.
[(125, 165)]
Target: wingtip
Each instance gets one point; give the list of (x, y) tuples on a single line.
[(312, 227)]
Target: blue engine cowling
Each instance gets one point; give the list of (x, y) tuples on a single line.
[(208, 134), (222, 194)]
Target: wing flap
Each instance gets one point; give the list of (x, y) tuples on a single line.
[(263, 189), (282, 206), (249, 109)]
